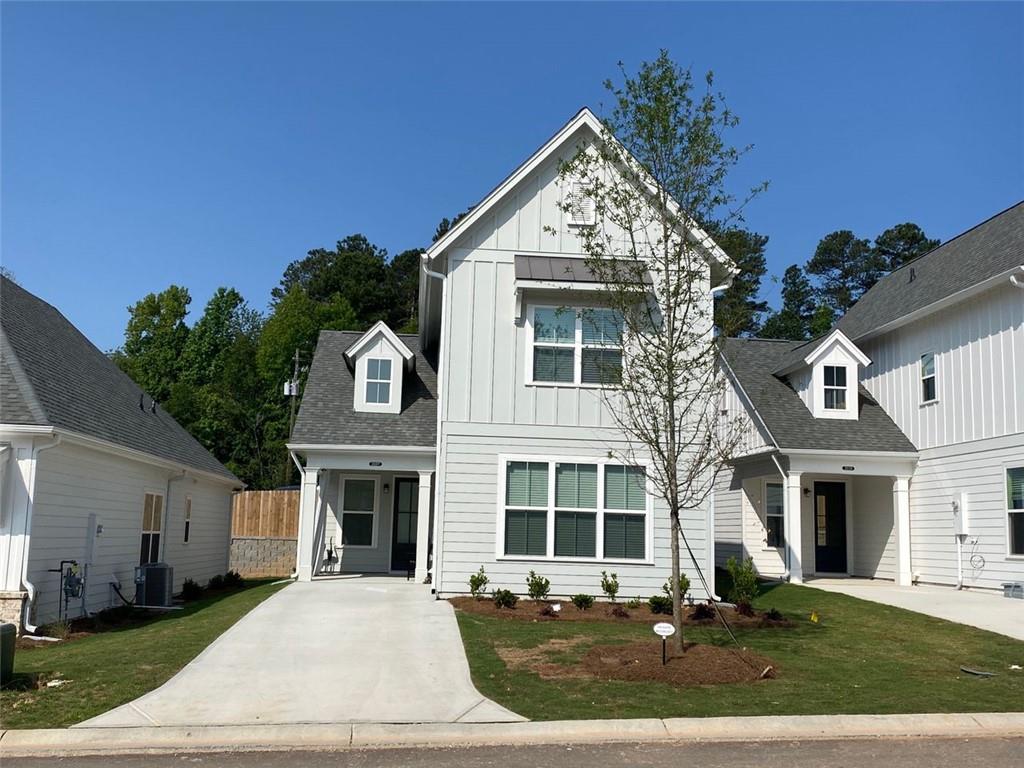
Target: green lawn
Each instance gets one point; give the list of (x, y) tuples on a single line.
[(108, 669), (860, 658)]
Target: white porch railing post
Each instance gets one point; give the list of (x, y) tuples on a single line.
[(794, 536), (423, 525), (901, 513), (306, 540)]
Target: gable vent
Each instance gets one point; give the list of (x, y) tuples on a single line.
[(582, 210)]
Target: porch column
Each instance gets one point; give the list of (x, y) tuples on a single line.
[(794, 537), (306, 540), (423, 526), (901, 521)]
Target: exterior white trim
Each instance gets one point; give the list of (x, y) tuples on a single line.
[(342, 479), (1007, 466), (380, 327), (339, 448)]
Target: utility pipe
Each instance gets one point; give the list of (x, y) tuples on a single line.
[(30, 588)]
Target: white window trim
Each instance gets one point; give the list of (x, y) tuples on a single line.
[(826, 387), (549, 557), (389, 381), (341, 511), (575, 190), (163, 521), (577, 347), (765, 482), (922, 377), (187, 528), (1007, 510)]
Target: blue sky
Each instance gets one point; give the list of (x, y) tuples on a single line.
[(211, 144)]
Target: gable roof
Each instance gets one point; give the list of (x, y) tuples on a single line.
[(793, 427), (382, 328), (327, 415), (986, 251), (808, 352), (51, 375), (582, 119)]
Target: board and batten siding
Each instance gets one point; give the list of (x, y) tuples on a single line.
[(73, 483), (753, 437), (470, 499)]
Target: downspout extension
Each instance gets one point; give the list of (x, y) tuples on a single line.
[(30, 588)]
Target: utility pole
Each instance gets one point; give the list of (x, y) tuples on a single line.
[(291, 390)]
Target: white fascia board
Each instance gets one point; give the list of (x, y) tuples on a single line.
[(339, 448), (380, 327), (835, 336), (582, 118), (20, 430)]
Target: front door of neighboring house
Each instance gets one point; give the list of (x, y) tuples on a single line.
[(830, 527), (403, 528)]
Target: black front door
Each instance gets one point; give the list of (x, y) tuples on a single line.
[(830, 528), (403, 527)]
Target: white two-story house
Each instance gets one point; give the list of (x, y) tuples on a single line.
[(892, 447), (485, 439)]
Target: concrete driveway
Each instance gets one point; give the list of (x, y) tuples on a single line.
[(342, 650), (976, 608)]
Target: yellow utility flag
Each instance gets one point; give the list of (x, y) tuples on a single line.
[(814, 616)]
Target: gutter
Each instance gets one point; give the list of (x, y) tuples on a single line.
[(1018, 281), (30, 588)]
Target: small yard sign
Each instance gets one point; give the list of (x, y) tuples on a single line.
[(664, 630)]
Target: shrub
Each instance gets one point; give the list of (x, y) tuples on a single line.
[(504, 598), (635, 603), (478, 583), (217, 582), (773, 614), (660, 604), (610, 585), (619, 612), (583, 602), (684, 586), (233, 579), (537, 586), (702, 612), (744, 608), (190, 590), (744, 579)]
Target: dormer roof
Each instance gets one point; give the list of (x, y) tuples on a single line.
[(809, 352), (380, 327)]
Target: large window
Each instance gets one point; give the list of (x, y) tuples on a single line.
[(152, 526), (570, 509), (774, 515), (835, 387), (1015, 509), (576, 345), (378, 380), (928, 391), (358, 511)]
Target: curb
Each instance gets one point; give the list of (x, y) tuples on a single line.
[(169, 739)]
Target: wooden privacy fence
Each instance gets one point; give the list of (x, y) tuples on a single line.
[(265, 515)]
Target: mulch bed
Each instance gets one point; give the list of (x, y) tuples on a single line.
[(540, 610), (698, 665)]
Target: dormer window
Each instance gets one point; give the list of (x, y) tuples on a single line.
[(835, 387), (378, 381)]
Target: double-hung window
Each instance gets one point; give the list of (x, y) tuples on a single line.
[(378, 380), (188, 519), (928, 391), (574, 509), (575, 345), (835, 387), (1015, 509), (774, 515), (152, 527), (358, 511)]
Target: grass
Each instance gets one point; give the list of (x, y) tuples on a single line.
[(860, 657), (110, 668)]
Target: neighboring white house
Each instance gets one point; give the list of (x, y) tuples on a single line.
[(484, 440), (91, 470), (892, 447)]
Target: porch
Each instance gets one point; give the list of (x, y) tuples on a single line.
[(365, 512), (823, 514)]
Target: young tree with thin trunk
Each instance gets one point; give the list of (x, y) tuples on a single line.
[(656, 171)]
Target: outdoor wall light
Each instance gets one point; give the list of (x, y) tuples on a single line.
[(807, 491), (387, 488)]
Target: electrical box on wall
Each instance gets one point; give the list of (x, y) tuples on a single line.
[(960, 515)]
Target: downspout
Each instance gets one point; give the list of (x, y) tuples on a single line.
[(435, 572), (29, 586), (1018, 282), (785, 491), (295, 458), (164, 524)]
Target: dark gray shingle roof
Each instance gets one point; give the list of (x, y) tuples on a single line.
[(788, 419), (327, 415), (989, 249), (51, 375)]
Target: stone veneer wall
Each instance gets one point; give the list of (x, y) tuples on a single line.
[(10, 608), (262, 557)]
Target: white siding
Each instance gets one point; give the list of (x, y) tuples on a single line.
[(72, 483), (728, 519), (979, 359), (376, 559), (469, 524), (754, 437), (874, 535)]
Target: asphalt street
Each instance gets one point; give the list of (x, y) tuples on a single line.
[(893, 753)]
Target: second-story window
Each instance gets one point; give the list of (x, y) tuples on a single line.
[(378, 381), (835, 387), (928, 391), (571, 345)]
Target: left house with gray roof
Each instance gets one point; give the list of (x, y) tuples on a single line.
[(92, 471)]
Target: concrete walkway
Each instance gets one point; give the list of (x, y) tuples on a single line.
[(342, 650), (976, 608)]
